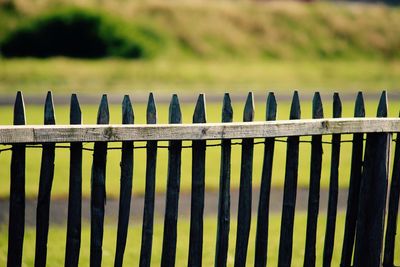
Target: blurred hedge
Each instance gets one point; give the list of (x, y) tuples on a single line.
[(80, 33)]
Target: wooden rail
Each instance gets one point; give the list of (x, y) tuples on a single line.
[(364, 233), (204, 131)]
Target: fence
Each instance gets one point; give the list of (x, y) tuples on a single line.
[(367, 199)]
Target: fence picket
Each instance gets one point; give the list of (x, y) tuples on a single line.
[(45, 184), (371, 214), (388, 260), (314, 190), (148, 211), (16, 223), (289, 193), (354, 188), (260, 259), (333, 188), (125, 185), (98, 195), (173, 184), (366, 203), (245, 190), (197, 198), (75, 192), (224, 190)]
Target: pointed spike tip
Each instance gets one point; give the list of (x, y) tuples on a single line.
[(127, 111), (359, 109), (337, 106), (318, 111), (227, 111), (295, 111), (103, 114), (199, 115), (175, 115), (248, 114), (75, 116), (49, 117), (271, 107), (19, 109), (382, 106), (151, 113)]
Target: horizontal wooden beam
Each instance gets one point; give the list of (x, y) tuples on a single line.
[(207, 131)]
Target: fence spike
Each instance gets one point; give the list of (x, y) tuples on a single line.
[(175, 115), (197, 197), (199, 115), (221, 251), (333, 188), (75, 116), (125, 185), (295, 111), (354, 187), (45, 185), (318, 111), (271, 107), (128, 116), (245, 190), (49, 117), (98, 187), (148, 210), (289, 193), (314, 188), (337, 106), (19, 109), (227, 111), (359, 109), (394, 197), (173, 185), (103, 114), (151, 114), (372, 199), (73, 242), (382, 110), (16, 223), (260, 259), (248, 114)]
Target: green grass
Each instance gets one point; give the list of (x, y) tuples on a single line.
[(245, 29), (64, 76), (57, 236), (60, 185)]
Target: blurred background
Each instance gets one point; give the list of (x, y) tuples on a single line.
[(118, 47)]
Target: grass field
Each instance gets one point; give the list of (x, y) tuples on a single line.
[(64, 76), (242, 29), (57, 235), (60, 188)]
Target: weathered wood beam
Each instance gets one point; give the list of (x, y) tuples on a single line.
[(237, 130)]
